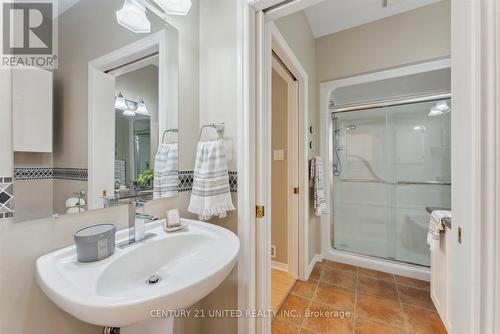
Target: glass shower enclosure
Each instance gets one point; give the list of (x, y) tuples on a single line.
[(387, 165)]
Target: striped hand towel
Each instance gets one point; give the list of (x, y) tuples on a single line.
[(210, 195), (320, 205), (436, 226), (166, 171)]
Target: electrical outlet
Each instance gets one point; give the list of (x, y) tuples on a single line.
[(273, 251)]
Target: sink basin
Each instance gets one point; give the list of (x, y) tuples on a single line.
[(169, 271)]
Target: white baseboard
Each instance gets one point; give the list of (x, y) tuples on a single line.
[(317, 258), (279, 266)]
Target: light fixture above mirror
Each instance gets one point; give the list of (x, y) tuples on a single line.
[(130, 108), (174, 7), (141, 108), (133, 13), (120, 102), (133, 17)]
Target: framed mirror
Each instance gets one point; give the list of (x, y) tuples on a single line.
[(102, 128)]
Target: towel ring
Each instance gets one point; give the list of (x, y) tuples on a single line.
[(167, 131), (219, 127)]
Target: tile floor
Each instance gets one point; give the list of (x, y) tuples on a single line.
[(340, 298)]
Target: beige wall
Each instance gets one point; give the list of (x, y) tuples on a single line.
[(411, 37), (218, 70), (279, 175), (33, 198), (298, 34)]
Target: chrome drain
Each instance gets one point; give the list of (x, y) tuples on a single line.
[(153, 279)]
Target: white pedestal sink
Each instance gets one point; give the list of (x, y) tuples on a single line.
[(116, 292)]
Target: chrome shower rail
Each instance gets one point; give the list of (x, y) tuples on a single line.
[(400, 183), (435, 183), (389, 103)]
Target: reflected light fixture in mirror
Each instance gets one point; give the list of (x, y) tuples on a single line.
[(439, 109), (133, 17), (175, 7), (120, 102), (128, 113), (141, 108)]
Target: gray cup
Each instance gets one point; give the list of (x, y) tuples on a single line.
[(95, 242)]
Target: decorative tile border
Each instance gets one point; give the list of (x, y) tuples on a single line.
[(77, 174), (185, 180), (233, 182), (81, 174), (6, 198), (33, 173), (48, 173)]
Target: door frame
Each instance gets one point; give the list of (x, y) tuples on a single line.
[(272, 40), (167, 98)]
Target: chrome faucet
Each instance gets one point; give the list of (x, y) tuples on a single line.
[(137, 228)]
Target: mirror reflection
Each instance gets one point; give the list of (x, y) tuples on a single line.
[(106, 117)]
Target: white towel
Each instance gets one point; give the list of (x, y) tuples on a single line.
[(166, 171), (211, 194), (436, 226), (320, 205)]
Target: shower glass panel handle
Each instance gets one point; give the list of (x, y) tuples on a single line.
[(388, 164)]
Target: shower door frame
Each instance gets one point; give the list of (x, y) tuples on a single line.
[(327, 225)]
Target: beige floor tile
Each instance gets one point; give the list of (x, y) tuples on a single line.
[(413, 296), (377, 287), (284, 327), (416, 283), (325, 320), (304, 289), (340, 266), (380, 309), (376, 274), (367, 326), (421, 321), (345, 279), (339, 298), (317, 271), (293, 309)]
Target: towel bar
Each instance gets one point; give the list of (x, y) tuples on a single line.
[(219, 127), (167, 131)]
